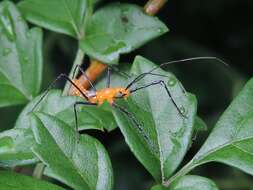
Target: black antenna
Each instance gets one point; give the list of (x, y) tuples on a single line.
[(138, 78)]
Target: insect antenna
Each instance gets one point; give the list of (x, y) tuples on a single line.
[(141, 76), (64, 76)]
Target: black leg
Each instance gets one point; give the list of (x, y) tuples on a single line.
[(119, 71), (108, 77), (161, 82), (75, 111), (123, 110), (136, 123), (84, 75), (74, 72), (61, 76)]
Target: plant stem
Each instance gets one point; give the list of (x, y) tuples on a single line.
[(38, 171), (153, 6), (186, 169), (78, 61), (94, 70)]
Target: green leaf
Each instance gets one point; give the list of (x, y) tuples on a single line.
[(15, 148), (159, 187), (199, 125), (155, 131), (96, 117), (118, 29), (14, 181), (189, 182), (64, 16), (54, 104), (231, 140), (20, 57), (85, 159), (89, 117), (15, 144)]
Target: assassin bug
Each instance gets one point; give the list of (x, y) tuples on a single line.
[(110, 94)]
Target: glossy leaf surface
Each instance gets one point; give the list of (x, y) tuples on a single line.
[(20, 57), (14, 181), (231, 139), (155, 130), (15, 148), (89, 117), (189, 182), (84, 158), (64, 16), (118, 29)]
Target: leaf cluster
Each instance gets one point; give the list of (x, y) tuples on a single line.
[(157, 133)]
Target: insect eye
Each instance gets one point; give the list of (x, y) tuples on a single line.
[(119, 94)]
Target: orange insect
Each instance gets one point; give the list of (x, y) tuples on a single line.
[(100, 96), (109, 94)]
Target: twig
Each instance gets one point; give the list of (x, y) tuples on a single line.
[(153, 6), (38, 171), (78, 61)]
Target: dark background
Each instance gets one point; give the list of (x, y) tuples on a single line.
[(221, 28)]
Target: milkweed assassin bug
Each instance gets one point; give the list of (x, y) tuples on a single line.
[(94, 97)]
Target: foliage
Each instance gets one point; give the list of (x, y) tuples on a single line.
[(11, 181), (158, 123), (21, 53)]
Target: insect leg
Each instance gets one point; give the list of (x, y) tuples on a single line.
[(160, 82), (75, 111), (61, 76), (136, 123), (108, 77), (74, 72), (119, 71), (84, 75), (123, 110)]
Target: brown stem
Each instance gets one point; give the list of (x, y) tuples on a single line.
[(153, 6), (96, 67), (94, 70)]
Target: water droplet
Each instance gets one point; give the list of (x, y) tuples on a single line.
[(26, 59), (125, 11), (20, 18), (7, 26), (159, 30), (6, 51), (182, 110), (172, 81), (28, 34)]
